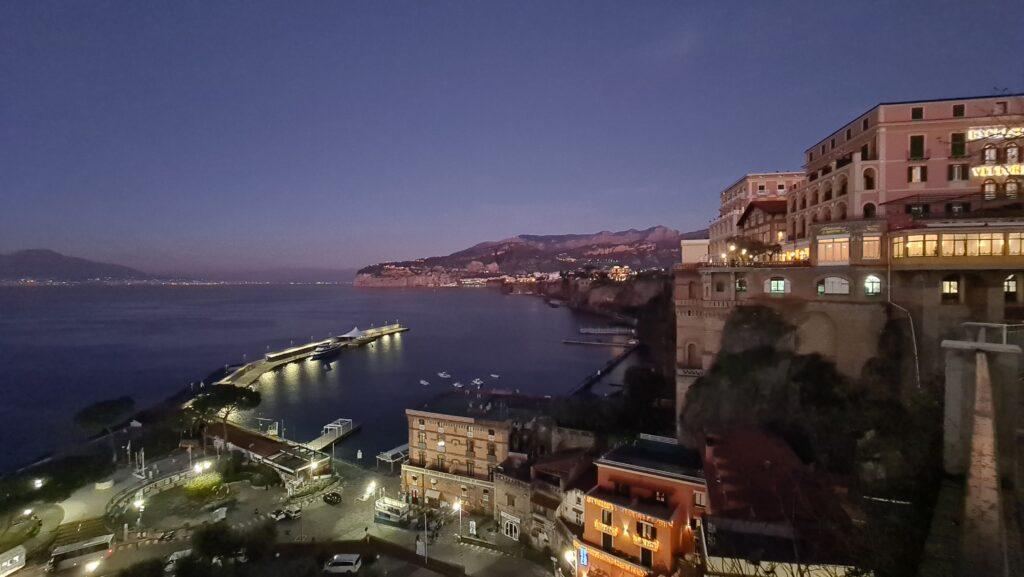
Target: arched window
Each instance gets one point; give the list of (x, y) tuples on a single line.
[(872, 285), (842, 186), (989, 188), (869, 210), (1012, 154), (990, 154), (951, 289), (833, 285), (776, 285), (1012, 188), (826, 193), (803, 202), (869, 179)]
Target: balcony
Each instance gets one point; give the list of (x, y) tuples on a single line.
[(918, 155)]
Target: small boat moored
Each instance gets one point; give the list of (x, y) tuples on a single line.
[(326, 349), (424, 382), (444, 375)]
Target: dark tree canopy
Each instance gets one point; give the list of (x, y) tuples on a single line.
[(226, 398)]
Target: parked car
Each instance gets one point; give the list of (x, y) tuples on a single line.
[(343, 563), (291, 512), (332, 498)]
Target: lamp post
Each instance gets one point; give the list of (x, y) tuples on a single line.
[(458, 507), (141, 506)]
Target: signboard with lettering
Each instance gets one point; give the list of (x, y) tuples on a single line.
[(995, 132)]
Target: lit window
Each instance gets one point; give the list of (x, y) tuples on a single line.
[(777, 285), (700, 498), (872, 285), (897, 247), (1010, 287), (991, 155), (741, 285), (955, 172), (923, 245), (917, 174), (871, 248), (1013, 243), (833, 250), (1012, 188), (950, 289), (989, 188)]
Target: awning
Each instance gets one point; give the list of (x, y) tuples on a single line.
[(355, 333), (432, 494)]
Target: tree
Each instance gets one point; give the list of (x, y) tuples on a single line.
[(224, 400), (147, 568), (104, 415), (217, 540)]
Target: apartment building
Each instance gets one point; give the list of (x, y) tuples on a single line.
[(455, 443), (640, 517), (735, 198)]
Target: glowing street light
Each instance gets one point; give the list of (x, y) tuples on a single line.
[(139, 504), (732, 248), (91, 566), (37, 483), (458, 507), (27, 512)]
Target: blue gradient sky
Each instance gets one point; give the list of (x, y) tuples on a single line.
[(198, 135)]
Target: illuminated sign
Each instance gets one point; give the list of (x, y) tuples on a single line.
[(629, 512), (645, 543), (988, 170), (600, 503), (609, 529), (995, 132), (584, 560)]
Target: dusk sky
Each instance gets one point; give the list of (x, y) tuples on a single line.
[(190, 136)]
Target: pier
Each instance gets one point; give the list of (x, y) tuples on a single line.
[(596, 343), (249, 373), (332, 433), (607, 331)]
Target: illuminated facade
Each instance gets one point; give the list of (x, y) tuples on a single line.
[(735, 198), (640, 517)]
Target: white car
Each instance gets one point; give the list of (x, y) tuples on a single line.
[(343, 563), (172, 561)]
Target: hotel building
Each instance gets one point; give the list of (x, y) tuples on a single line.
[(749, 188), (910, 211), (641, 516)]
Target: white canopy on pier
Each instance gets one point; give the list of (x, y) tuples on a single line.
[(355, 333)]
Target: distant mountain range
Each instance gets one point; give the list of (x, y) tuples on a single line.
[(47, 265), (653, 247)]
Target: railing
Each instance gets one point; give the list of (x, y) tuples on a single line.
[(919, 155)]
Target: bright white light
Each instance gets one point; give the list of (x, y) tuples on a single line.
[(570, 557), (457, 506), (732, 247), (370, 488), (207, 465), (198, 468), (37, 483), (27, 512), (138, 503), (91, 566)]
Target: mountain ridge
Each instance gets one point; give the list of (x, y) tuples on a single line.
[(48, 265)]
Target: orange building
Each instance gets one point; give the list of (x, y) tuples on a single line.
[(640, 517)]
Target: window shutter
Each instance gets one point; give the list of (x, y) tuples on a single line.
[(924, 174), (949, 172), (639, 528), (910, 174), (785, 286), (654, 533)]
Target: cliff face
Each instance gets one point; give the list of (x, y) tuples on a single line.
[(406, 279)]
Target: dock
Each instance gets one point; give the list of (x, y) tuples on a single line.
[(607, 331), (398, 455), (332, 433), (249, 373), (596, 343)]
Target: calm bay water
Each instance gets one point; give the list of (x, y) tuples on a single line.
[(62, 348)]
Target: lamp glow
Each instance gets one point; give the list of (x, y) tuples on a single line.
[(37, 483), (91, 566), (27, 512)]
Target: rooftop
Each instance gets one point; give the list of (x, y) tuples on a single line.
[(655, 457), (493, 405), (777, 206)]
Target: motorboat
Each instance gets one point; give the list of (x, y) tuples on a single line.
[(444, 375), (477, 382), (327, 348), (457, 385), (424, 383), (494, 376)]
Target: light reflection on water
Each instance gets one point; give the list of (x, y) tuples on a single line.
[(150, 341)]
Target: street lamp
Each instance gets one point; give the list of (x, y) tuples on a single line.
[(37, 483), (141, 506), (458, 507), (27, 512)]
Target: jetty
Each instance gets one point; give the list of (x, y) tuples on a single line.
[(396, 456), (607, 331), (596, 343), (249, 373), (332, 433)]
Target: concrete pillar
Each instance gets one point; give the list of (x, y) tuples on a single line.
[(959, 387)]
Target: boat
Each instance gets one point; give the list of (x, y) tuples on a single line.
[(444, 375), (327, 349), (424, 383), (494, 376), (457, 385), (477, 382)]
